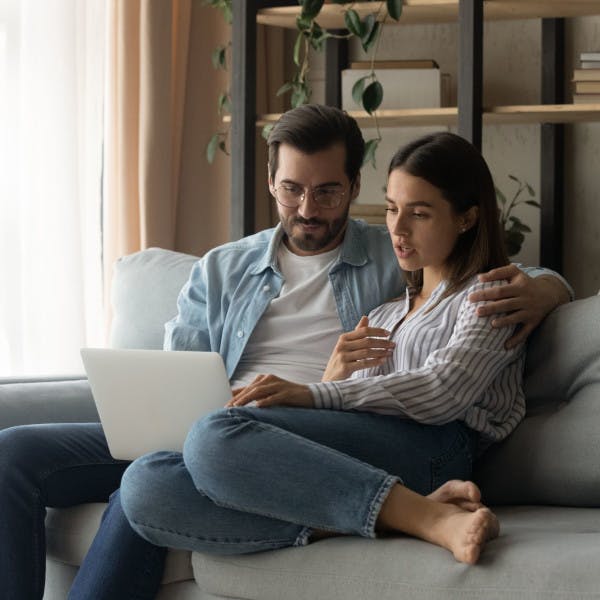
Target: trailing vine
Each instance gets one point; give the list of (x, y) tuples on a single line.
[(220, 59), (367, 91)]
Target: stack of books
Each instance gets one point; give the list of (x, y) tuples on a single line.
[(586, 79)]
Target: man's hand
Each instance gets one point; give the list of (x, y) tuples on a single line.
[(526, 300), (359, 349), (269, 390)]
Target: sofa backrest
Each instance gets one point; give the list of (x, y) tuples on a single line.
[(553, 457), (144, 294)]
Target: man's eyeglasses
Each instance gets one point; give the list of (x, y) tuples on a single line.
[(291, 195)]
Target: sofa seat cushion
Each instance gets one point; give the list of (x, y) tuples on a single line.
[(542, 552), (70, 531)]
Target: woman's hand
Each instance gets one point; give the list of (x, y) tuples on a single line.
[(269, 390), (359, 349)]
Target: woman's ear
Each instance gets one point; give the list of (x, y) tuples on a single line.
[(469, 218)]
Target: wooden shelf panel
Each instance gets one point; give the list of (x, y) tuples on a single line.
[(496, 115), (437, 11), (546, 113)]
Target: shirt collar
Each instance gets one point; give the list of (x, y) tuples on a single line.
[(353, 248)]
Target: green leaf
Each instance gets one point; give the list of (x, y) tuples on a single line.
[(353, 23), (518, 225), (514, 178), (500, 196), (394, 8), (211, 148), (358, 88), (286, 87), (530, 189), (227, 13), (372, 97), (223, 147), (370, 30), (533, 203), (318, 37), (266, 130), (218, 57), (223, 103), (300, 95), (311, 8), (303, 24), (297, 48), (370, 149), (513, 240)]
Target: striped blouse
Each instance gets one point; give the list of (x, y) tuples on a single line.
[(448, 364)]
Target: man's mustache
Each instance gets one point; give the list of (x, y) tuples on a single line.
[(303, 221)]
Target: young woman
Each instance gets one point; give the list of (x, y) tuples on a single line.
[(386, 449)]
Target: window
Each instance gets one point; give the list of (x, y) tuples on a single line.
[(51, 86)]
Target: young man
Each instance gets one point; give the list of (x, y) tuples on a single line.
[(273, 302)]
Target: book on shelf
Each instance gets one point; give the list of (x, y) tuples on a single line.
[(586, 98), (425, 63), (587, 87), (589, 64), (402, 88), (589, 56), (586, 74)]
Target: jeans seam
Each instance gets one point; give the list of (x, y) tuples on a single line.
[(205, 539), (39, 567)]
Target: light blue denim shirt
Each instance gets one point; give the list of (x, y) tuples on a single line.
[(231, 286)]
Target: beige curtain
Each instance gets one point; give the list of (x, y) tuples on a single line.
[(161, 109)]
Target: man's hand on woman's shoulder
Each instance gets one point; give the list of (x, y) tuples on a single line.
[(523, 300)]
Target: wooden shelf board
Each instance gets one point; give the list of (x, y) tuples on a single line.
[(436, 11), (550, 113)]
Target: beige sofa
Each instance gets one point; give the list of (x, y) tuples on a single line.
[(544, 481)]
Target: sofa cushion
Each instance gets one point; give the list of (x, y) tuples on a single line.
[(553, 456), (542, 552), (144, 294), (70, 531)]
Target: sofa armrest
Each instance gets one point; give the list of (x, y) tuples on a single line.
[(28, 401)]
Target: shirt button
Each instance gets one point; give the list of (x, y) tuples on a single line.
[(266, 288), (240, 333)]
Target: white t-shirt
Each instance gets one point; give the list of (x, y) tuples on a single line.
[(295, 336)]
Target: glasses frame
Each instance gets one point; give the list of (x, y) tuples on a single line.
[(306, 190)]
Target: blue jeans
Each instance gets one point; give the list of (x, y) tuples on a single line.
[(253, 479), (61, 465)]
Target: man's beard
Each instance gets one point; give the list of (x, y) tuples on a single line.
[(308, 242)]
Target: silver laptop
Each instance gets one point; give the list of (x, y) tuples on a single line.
[(148, 399)]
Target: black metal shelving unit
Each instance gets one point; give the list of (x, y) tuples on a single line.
[(470, 110)]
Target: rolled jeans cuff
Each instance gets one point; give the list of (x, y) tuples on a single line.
[(376, 504)]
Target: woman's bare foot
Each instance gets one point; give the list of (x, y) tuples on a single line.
[(462, 531), (465, 533), (462, 493)]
